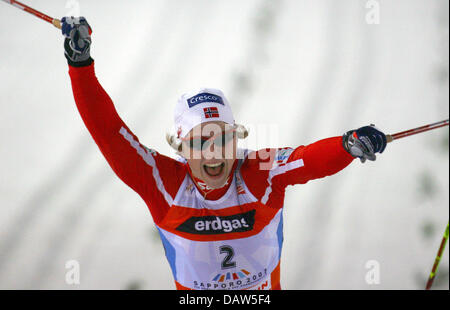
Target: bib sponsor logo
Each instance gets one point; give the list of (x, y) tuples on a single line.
[(204, 97), (213, 225)]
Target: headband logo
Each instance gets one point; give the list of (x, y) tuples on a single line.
[(204, 97)]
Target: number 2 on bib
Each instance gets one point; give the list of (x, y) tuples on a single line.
[(227, 261)]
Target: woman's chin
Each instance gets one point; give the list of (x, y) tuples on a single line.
[(215, 181)]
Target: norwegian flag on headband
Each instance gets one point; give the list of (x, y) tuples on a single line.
[(211, 112)]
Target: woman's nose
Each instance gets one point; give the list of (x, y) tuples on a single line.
[(215, 150)]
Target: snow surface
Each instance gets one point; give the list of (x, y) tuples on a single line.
[(310, 69)]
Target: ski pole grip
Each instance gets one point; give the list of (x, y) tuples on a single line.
[(56, 23)]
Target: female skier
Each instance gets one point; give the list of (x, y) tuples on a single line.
[(218, 210)]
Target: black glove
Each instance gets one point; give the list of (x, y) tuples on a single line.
[(364, 142), (77, 44)]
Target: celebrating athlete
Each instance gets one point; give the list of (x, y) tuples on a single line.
[(218, 209)]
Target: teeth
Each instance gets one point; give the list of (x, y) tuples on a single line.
[(213, 165)]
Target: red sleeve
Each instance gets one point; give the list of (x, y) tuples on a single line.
[(317, 160), (272, 170), (153, 176)]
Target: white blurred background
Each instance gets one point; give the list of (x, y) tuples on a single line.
[(314, 68)]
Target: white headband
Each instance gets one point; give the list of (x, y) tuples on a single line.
[(204, 105)]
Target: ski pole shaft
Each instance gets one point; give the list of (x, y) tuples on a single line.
[(415, 131), (437, 260), (55, 22)]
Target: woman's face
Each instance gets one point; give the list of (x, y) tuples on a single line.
[(210, 150)]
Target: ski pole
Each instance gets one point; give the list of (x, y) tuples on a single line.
[(415, 131), (437, 260), (55, 22)]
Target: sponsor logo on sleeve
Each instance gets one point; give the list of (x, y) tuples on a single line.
[(282, 156)]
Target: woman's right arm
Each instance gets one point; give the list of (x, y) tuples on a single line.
[(153, 176)]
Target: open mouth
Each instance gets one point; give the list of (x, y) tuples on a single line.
[(214, 170)]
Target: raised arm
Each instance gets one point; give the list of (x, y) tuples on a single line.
[(289, 166), (144, 170)]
